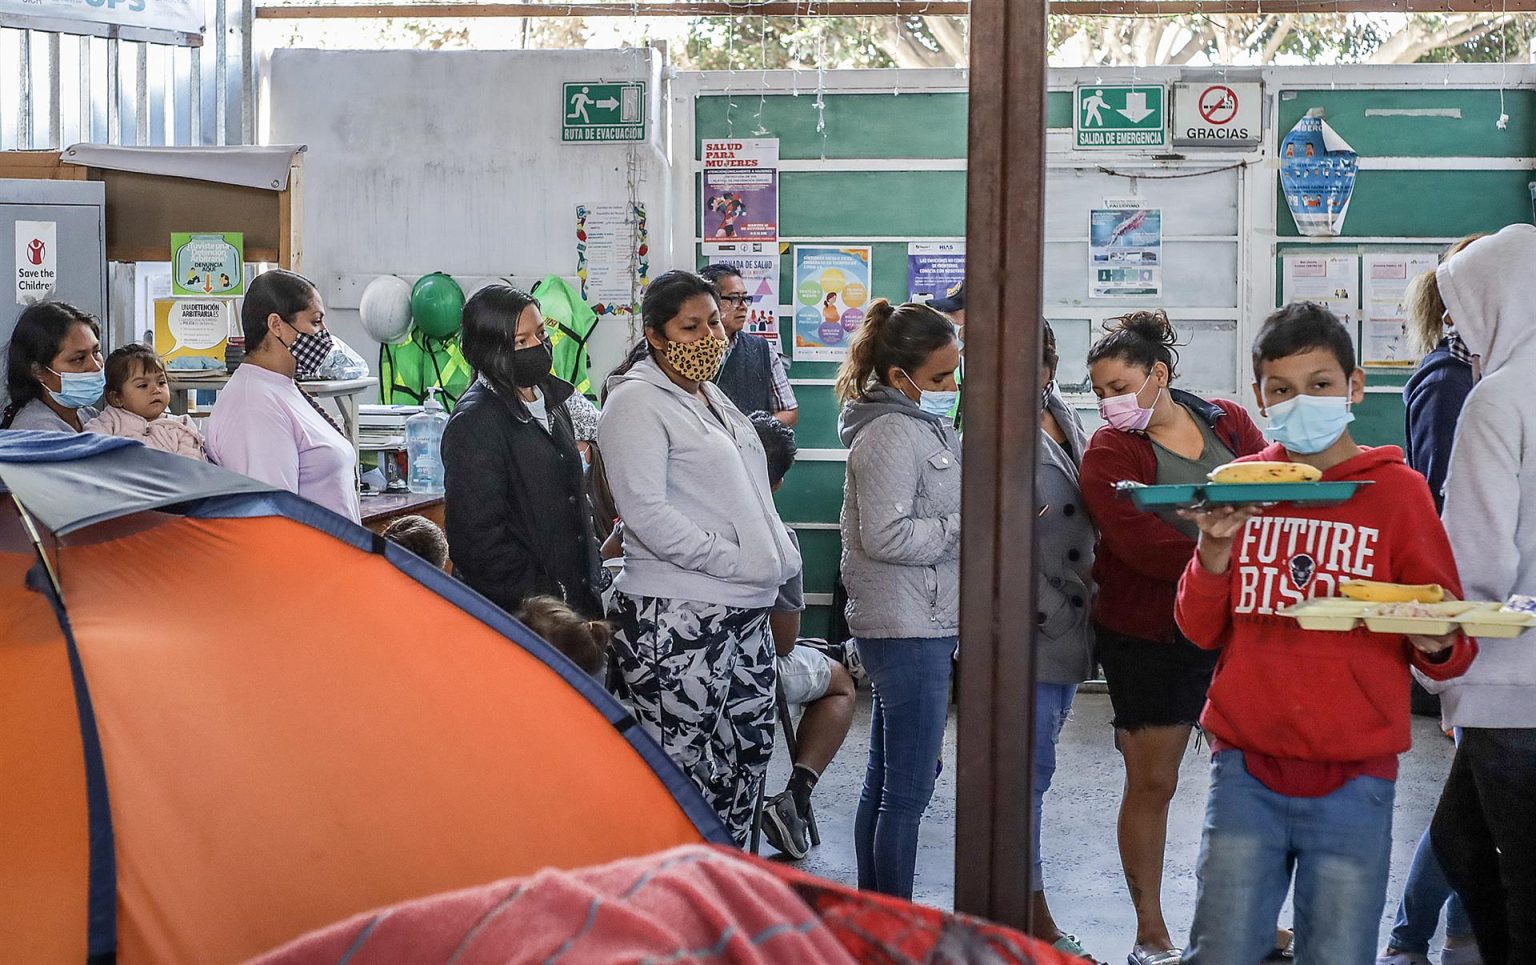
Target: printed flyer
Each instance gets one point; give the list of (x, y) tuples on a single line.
[(612, 256), (758, 263), (933, 268), (1384, 293), (1125, 253), (208, 264), (740, 199), (831, 295)]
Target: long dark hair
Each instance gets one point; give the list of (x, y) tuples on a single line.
[(40, 333), (892, 336), (279, 292), (663, 300), (1142, 339), (488, 335)]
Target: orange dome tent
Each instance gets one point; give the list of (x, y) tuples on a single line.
[(228, 717)]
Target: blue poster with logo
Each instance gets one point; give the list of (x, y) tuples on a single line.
[(934, 268), (1317, 173)]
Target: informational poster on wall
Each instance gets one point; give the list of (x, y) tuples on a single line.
[(612, 255), (1384, 281), (740, 199), (1331, 280), (37, 261), (1317, 174), (758, 263), (1125, 251), (191, 334), (207, 264), (831, 297), (933, 268)]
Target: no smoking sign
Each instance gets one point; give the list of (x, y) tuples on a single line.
[(1217, 115)]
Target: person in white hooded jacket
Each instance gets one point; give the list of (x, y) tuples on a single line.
[(704, 551), (1484, 831)]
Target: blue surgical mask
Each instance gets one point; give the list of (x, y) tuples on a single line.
[(1309, 424), (940, 404), (78, 389)]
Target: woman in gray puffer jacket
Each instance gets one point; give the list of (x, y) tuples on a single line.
[(901, 567), (1063, 634)]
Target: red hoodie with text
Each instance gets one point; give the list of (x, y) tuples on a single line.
[(1284, 695)]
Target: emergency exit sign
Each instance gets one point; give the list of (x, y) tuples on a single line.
[(1121, 115), (594, 111)]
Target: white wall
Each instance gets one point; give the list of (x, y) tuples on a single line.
[(452, 161)]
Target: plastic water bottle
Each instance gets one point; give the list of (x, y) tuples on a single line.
[(424, 444)]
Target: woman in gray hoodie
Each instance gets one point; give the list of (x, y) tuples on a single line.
[(901, 566), (704, 551), (1483, 830)]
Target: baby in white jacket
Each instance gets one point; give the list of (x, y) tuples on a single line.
[(138, 392)]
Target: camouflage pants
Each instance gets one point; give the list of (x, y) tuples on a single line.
[(701, 676)]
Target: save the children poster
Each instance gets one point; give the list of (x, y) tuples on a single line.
[(831, 298), (740, 199)]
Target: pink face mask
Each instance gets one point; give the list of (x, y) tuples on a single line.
[(1124, 412)]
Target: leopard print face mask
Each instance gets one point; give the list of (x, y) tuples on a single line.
[(698, 360)]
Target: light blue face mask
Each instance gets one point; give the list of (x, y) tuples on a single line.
[(78, 389), (940, 404), (1309, 424)]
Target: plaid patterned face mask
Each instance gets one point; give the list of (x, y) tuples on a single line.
[(309, 350)]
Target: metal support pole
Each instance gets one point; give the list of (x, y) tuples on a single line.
[(141, 96), (1005, 217), (114, 91), (24, 92), (55, 93), (221, 72), (195, 100), (247, 72), (87, 130)]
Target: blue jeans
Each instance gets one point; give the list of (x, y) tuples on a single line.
[(1053, 704), (1424, 894), (911, 680), (1338, 847)]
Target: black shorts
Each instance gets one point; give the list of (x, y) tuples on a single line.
[(1154, 684)]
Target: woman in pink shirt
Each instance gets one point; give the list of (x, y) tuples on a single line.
[(264, 425)]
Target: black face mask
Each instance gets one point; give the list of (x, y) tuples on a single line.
[(531, 365)]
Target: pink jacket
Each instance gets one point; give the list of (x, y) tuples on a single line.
[(169, 433)]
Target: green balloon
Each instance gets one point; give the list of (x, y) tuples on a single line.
[(437, 305)]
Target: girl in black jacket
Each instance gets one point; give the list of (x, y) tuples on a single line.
[(519, 524)]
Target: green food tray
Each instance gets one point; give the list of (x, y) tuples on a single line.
[(1199, 495)]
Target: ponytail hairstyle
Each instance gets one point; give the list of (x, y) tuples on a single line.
[(40, 332), (1142, 339), (276, 292), (488, 336), (1426, 307), (662, 302), (892, 336)]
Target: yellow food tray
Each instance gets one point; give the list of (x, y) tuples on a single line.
[(1328, 613), (1492, 621)]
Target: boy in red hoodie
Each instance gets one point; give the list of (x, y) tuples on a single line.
[(1306, 726)]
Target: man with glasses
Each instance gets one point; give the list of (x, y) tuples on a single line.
[(752, 374)]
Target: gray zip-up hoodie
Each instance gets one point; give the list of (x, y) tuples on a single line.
[(1490, 492), (699, 519), (901, 519)]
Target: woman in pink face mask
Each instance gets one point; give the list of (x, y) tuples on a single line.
[(1157, 679)]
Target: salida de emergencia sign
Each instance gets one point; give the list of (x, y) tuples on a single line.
[(593, 111), (1217, 115), (37, 261), (1121, 115)]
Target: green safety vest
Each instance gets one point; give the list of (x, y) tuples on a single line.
[(571, 322), (407, 370)]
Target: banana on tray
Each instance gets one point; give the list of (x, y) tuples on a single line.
[(1370, 591)]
